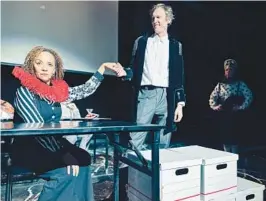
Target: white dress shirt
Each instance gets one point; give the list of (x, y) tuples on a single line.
[(156, 63)]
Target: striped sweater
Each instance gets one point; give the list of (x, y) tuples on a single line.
[(33, 109)]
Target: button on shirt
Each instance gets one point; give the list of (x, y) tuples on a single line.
[(156, 64)]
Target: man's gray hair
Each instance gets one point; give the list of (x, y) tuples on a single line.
[(168, 11)]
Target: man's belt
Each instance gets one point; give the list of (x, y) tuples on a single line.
[(150, 87)]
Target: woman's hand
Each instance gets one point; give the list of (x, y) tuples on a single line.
[(217, 108), (119, 70), (237, 108), (91, 116), (107, 65), (75, 169), (7, 107)]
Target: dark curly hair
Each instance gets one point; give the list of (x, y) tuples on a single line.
[(31, 56)]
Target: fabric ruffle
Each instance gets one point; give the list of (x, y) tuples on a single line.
[(58, 92)]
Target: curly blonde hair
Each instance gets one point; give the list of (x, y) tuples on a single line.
[(168, 11), (230, 62), (31, 56)]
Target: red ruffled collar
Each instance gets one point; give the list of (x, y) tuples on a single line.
[(58, 92)]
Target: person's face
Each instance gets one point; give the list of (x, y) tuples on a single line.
[(44, 66), (159, 21), (229, 72)]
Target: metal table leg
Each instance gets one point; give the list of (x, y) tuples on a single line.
[(8, 196), (94, 149), (116, 169), (106, 153), (155, 167)]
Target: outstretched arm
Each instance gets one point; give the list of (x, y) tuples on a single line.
[(87, 89)]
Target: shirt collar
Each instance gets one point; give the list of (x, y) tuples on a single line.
[(162, 39)]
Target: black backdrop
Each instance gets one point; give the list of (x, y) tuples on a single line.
[(210, 32)]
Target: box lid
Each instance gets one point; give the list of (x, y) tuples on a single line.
[(170, 160), (208, 155), (244, 184)]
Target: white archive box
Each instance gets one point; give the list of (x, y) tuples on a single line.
[(134, 195), (249, 190), (218, 171), (231, 197), (179, 177), (246, 191)]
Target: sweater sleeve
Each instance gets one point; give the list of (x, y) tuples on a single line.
[(85, 90)]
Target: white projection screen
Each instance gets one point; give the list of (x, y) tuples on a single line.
[(84, 33)]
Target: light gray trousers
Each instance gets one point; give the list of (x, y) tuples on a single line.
[(152, 108)]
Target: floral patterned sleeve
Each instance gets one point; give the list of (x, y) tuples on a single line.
[(246, 92), (85, 90), (214, 97)]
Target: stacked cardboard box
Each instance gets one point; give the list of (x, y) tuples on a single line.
[(194, 173), (218, 171), (179, 178)]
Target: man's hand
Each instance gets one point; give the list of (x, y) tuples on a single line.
[(75, 169), (178, 113)]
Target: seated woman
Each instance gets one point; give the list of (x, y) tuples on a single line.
[(230, 96), (65, 166)]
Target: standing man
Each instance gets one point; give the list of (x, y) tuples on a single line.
[(157, 73)]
